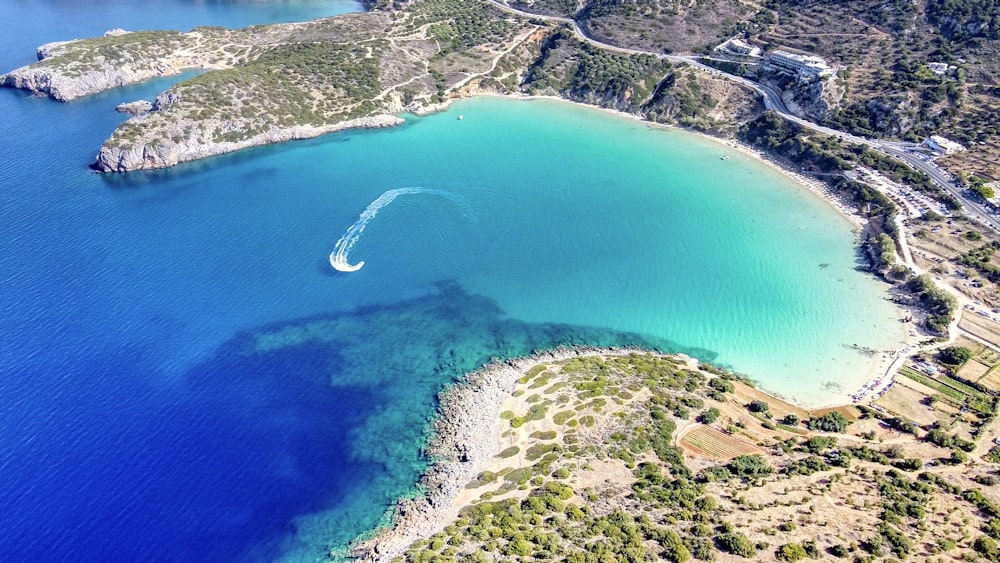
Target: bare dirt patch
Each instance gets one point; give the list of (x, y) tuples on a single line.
[(981, 327)]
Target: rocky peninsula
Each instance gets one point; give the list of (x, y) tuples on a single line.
[(462, 447), (627, 455), (272, 83)]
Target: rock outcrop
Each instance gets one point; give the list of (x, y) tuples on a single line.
[(165, 152), (137, 107), (895, 116), (71, 69), (812, 99)]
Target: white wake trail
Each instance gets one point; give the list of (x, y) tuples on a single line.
[(338, 258)]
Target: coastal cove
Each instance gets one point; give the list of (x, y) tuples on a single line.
[(187, 369)]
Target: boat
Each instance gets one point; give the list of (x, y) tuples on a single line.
[(340, 264)]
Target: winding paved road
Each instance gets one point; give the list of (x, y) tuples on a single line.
[(772, 101)]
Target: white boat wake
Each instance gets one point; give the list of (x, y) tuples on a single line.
[(338, 258)]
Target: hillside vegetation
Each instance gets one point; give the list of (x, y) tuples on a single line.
[(665, 25), (648, 458)]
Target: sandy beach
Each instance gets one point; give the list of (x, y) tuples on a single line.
[(878, 367), (819, 187)]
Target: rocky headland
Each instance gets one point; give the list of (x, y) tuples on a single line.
[(619, 454), (68, 70), (273, 83), (466, 436), (118, 158)]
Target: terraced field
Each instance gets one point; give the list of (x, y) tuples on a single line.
[(706, 441)]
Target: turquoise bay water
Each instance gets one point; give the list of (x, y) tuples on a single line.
[(187, 378)]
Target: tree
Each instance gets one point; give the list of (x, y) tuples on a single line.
[(759, 406), (955, 355), (791, 419), (791, 552), (709, 416), (830, 422), (983, 191), (673, 547), (812, 550), (749, 466), (839, 550)]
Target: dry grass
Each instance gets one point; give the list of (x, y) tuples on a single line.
[(668, 25), (850, 412), (905, 399), (991, 381), (939, 251), (779, 407), (973, 371)]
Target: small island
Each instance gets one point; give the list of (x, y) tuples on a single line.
[(625, 455)]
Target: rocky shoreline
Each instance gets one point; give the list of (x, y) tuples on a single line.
[(114, 158), (466, 435), (60, 75), (64, 88)]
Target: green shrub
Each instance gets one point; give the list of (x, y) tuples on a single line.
[(721, 385), (955, 355), (791, 552), (736, 544)]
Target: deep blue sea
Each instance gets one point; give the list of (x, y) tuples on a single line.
[(185, 378)]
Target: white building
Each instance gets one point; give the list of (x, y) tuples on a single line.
[(940, 69), (739, 47), (802, 66), (941, 145)]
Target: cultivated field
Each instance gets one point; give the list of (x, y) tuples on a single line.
[(709, 442), (981, 327)]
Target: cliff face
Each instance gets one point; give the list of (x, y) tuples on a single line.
[(812, 99), (60, 85), (166, 152)]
